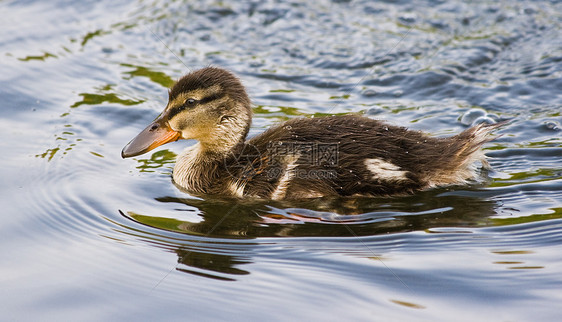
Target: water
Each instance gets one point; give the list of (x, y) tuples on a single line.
[(85, 235)]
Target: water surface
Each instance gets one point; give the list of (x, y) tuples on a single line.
[(86, 235)]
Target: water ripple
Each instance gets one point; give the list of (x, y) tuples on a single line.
[(84, 228)]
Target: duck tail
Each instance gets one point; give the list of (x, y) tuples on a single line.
[(463, 151), (472, 140)]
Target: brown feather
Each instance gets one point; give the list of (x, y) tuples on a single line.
[(313, 157)]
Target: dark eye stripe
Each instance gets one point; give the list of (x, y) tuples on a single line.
[(211, 98), (175, 111), (188, 105)]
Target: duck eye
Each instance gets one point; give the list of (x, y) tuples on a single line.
[(190, 101)]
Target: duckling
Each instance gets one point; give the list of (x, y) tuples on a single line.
[(304, 157)]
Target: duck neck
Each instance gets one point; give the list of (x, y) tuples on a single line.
[(229, 135), (198, 167), (195, 168)]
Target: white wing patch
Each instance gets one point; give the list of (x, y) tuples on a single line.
[(383, 170), (281, 189), (236, 189)]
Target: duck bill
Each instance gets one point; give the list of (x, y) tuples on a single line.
[(155, 134)]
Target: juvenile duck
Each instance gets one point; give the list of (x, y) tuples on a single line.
[(303, 157)]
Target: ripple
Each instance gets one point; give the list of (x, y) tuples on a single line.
[(61, 203), (84, 228)]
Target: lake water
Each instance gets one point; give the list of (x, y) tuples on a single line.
[(88, 236)]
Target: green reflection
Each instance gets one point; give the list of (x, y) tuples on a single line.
[(281, 90), (157, 77), (526, 267), (157, 160), (552, 142), (285, 110), (105, 94), (40, 57), (96, 99), (408, 304), (91, 35), (123, 25), (49, 154), (512, 252), (346, 96), (557, 214), (497, 147), (169, 224), (540, 175), (400, 109)]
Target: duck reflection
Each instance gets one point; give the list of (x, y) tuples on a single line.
[(211, 263), (240, 221), (235, 218)]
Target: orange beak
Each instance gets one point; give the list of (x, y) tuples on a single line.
[(155, 134)]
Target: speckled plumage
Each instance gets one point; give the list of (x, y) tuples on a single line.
[(304, 157)]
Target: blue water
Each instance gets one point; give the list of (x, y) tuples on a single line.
[(86, 235)]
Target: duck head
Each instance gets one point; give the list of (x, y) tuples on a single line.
[(209, 105)]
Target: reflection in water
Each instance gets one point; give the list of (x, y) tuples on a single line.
[(95, 99), (157, 77), (233, 218), (329, 218), (38, 57), (215, 263), (157, 160), (79, 78)]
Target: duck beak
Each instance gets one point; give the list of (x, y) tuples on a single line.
[(155, 134)]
